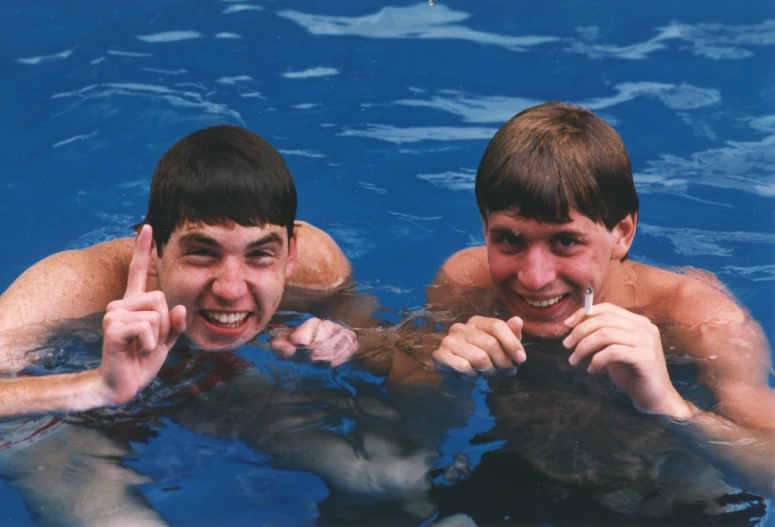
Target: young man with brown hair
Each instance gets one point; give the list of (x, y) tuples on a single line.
[(559, 211), (216, 254)]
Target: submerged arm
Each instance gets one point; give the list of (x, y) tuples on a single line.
[(75, 476), (738, 435), (745, 455)]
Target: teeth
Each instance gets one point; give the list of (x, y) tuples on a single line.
[(544, 303), (226, 318)]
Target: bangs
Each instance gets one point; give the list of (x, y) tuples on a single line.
[(219, 175), (241, 200), (541, 187)]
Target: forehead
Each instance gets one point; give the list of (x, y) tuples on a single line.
[(229, 233), (512, 220)]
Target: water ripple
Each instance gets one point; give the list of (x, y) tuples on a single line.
[(45, 58), (169, 36), (416, 21)]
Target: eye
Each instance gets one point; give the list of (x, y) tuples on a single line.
[(566, 241), (199, 252), (509, 241)]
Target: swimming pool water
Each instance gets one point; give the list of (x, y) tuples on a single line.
[(382, 111)]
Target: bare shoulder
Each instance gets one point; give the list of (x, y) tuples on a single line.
[(702, 319), (468, 267), (68, 284), (320, 263), (462, 286), (691, 296)]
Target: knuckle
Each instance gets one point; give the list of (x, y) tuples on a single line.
[(158, 296), (480, 360), (464, 367), (499, 325), (456, 328), (491, 344)]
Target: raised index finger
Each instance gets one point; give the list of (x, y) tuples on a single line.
[(141, 260)]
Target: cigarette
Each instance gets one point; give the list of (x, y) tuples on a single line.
[(588, 301)]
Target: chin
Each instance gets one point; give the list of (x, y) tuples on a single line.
[(209, 344)]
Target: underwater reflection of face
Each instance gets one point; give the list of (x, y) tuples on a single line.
[(541, 270)]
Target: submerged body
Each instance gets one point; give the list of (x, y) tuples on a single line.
[(559, 211)]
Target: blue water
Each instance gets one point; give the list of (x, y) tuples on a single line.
[(382, 112)]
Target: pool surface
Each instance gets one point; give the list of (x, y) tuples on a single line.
[(382, 112)]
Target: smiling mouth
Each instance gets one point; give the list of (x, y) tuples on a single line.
[(545, 303), (225, 319)]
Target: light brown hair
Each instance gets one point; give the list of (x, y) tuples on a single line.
[(553, 157)]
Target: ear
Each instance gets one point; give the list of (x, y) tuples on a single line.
[(624, 232), (153, 269), (291, 255)]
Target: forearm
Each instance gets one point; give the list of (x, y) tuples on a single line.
[(61, 393), (745, 455)]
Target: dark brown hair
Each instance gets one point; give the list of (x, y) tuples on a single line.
[(219, 174), (553, 157)]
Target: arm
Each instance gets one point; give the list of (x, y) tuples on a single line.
[(732, 360), (139, 330), (732, 357), (66, 285)]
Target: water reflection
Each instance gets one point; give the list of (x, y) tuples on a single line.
[(564, 444)]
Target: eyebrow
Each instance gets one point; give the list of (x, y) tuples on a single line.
[(201, 239), (503, 229)]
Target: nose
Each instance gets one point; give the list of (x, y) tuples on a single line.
[(229, 283), (536, 270)]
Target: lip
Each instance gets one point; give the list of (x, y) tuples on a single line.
[(221, 331), (544, 313)]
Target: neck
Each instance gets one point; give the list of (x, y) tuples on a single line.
[(620, 285)]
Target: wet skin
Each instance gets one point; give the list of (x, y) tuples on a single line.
[(229, 272), (532, 262)]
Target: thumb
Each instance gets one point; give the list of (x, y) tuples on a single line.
[(281, 343), (177, 325), (515, 324), (305, 334)]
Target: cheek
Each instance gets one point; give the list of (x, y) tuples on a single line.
[(582, 269), (269, 287), (502, 266)]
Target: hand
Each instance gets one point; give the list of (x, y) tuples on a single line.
[(139, 330), (328, 341), (629, 348), (483, 344)]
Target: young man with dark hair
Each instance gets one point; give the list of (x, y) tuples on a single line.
[(217, 253), (559, 211)]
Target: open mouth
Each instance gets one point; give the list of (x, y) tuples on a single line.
[(225, 319), (546, 303)]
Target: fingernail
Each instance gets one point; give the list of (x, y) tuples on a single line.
[(566, 341), (572, 360), (569, 320)]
